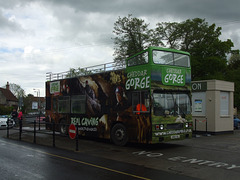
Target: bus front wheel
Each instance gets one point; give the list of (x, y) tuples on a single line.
[(119, 135)]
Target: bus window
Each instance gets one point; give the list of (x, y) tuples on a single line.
[(64, 104), (55, 104), (140, 102), (171, 58), (181, 60), (163, 57), (135, 100), (78, 104), (171, 104), (138, 60), (48, 103)]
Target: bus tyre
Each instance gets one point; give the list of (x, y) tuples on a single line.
[(119, 135), (63, 127)]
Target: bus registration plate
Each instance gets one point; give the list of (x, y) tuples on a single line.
[(175, 137)]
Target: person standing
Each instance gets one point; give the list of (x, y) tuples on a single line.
[(14, 115), (20, 115)]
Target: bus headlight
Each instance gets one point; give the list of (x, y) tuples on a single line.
[(159, 127), (188, 125)]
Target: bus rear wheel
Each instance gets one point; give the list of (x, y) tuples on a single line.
[(63, 127), (119, 135)]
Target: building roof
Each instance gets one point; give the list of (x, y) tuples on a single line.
[(8, 94)]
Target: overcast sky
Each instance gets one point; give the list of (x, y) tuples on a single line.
[(43, 36)]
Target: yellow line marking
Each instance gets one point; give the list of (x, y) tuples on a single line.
[(97, 166), (82, 162)]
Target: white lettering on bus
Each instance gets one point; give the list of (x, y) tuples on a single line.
[(89, 122), (85, 121), (133, 74), (175, 71), (173, 78), (138, 83)]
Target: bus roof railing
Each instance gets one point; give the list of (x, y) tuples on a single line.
[(85, 71)]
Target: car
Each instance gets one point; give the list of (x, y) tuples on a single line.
[(3, 121), (236, 122)]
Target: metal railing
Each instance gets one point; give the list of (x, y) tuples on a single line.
[(32, 133), (85, 71)]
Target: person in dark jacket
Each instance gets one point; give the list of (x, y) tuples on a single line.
[(14, 115)]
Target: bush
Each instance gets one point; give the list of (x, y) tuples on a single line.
[(5, 110)]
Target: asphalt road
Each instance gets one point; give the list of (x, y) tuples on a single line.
[(213, 157), (21, 160)]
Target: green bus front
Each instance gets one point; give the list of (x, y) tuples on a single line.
[(166, 75)]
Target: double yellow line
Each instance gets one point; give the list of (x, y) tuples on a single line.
[(81, 162)]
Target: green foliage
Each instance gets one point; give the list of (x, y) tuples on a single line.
[(27, 101), (5, 110), (132, 36), (208, 68), (72, 73), (77, 72), (169, 33), (234, 61), (233, 75)]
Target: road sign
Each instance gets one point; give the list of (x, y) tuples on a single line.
[(72, 131)]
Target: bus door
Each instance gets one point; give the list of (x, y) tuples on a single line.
[(141, 110)]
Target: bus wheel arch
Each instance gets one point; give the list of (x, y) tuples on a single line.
[(63, 127), (119, 135)]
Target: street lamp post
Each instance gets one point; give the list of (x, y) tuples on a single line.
[(39, 107)]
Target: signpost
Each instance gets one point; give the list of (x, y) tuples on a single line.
[(72, 131)]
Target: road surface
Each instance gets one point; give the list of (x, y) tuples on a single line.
[(20, 160), (207, 157)]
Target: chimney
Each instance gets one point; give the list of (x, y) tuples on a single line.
[(7, 86)]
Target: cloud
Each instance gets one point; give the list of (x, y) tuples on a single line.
[(55, 35), (9, 24)]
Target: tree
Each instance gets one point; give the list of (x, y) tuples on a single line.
[(234, 61), (167, 35), (132, 36), (233, 75), (5, 110), (27, 101), (16, 90), (81, 72)]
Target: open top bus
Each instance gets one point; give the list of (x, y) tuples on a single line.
[(145, 100)]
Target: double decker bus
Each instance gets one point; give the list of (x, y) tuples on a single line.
[(145, 100)]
